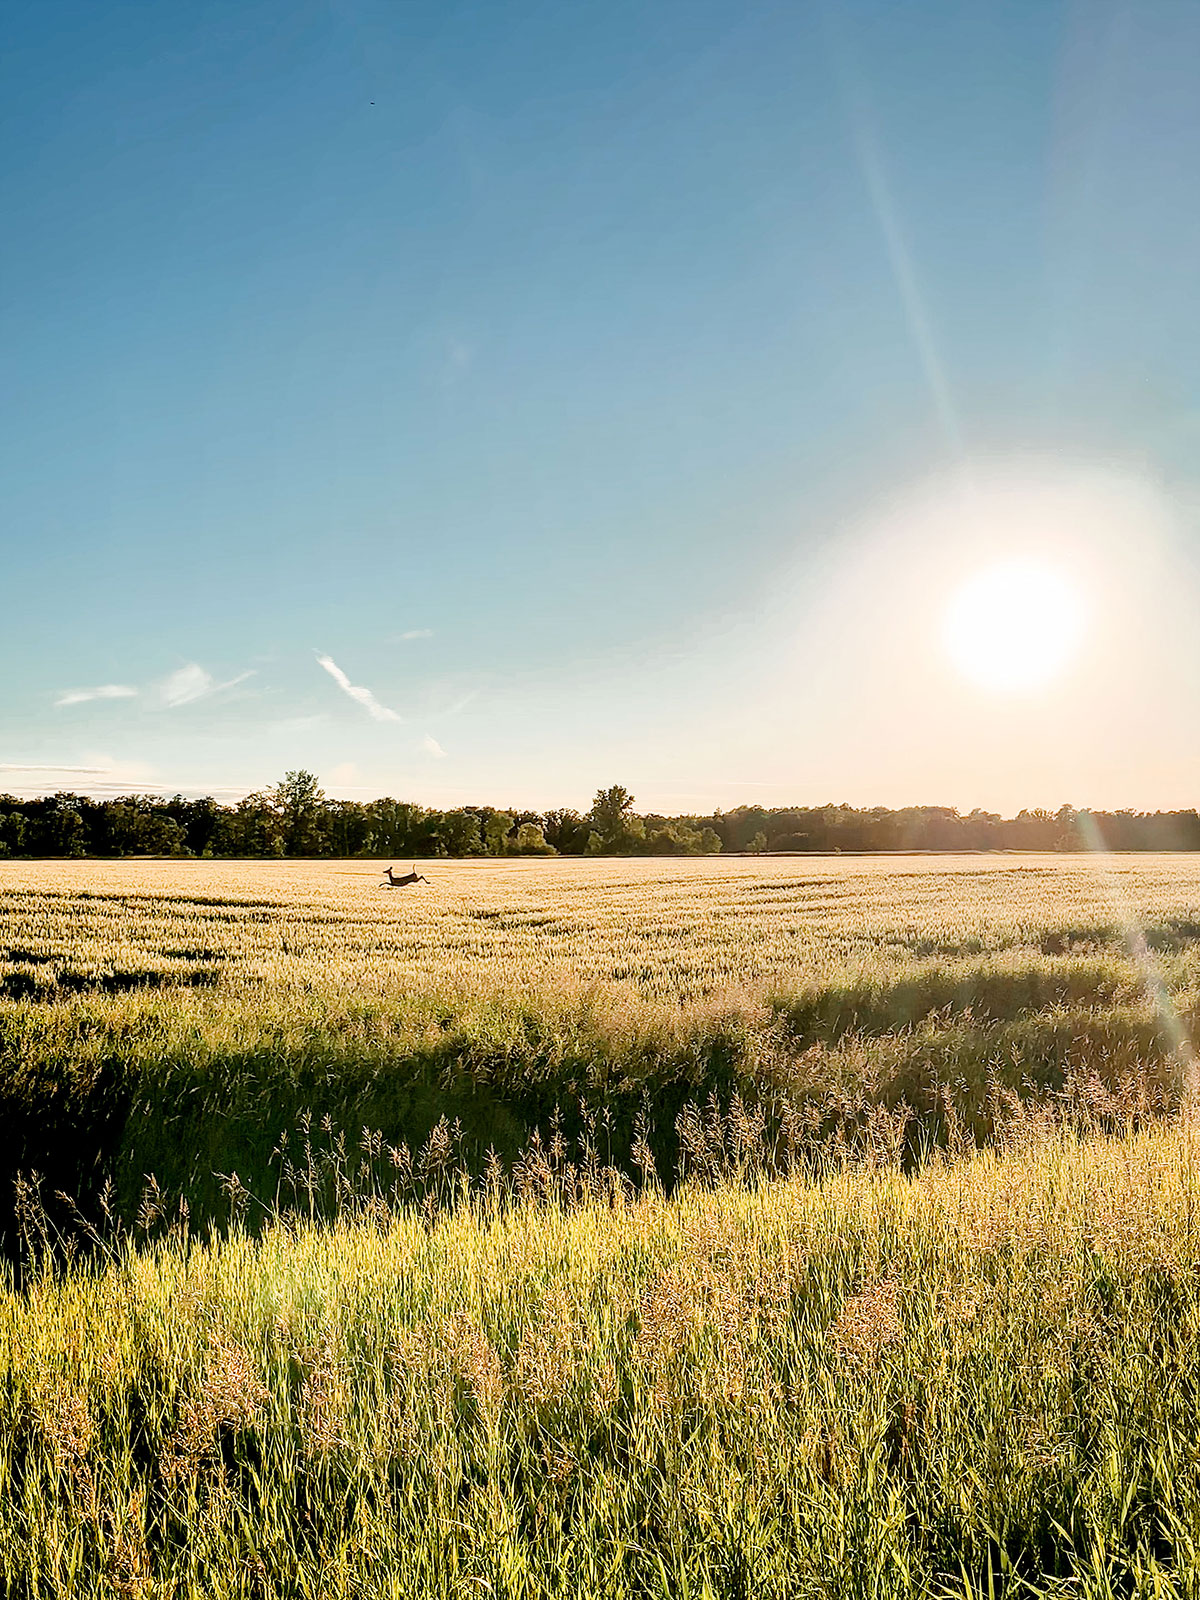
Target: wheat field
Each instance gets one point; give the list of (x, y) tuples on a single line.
[(794, 1227), (678, 931), (193, 1011)]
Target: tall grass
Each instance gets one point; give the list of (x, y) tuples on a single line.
[(691, 1229), (980, 1379), (176, 1018)]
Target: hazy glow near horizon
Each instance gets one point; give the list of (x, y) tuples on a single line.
[(1015, 626)]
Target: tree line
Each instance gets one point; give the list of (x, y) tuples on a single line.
[(295, 818)]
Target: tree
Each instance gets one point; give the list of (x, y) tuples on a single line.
[(610, 808), (567, 831), (300, 802), (12, 833), (758, 844), (138, 826), (347, 827), (679, 837), (252, 828), (58, 826), (496, 829), (612, 820), (456, 833), (1068, 829), (739, 826), (531, 841), (200, 821), (396, 826)]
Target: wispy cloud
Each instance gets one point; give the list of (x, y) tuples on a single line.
[(432, 747), (192, 682), (188, 684), (102, 691), (111, 777), (364, 697), (42, 766), (130, 775), (179, 688), (100, 775), (418, 633), (461, 704)]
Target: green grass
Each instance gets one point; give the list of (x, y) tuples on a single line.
[(983, 1379), (177, 1019), (914, 1311)]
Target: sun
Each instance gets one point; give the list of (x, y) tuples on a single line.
[(1015, 626)]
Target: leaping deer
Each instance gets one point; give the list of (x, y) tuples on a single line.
[(405, 879)]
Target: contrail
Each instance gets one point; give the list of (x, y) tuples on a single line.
[(364, 697)]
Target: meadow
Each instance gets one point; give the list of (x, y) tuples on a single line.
[(979, 1380), (801, 1227), (180, 1018)]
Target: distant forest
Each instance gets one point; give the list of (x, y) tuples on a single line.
[(296, 819)]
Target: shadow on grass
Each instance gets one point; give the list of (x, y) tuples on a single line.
[(91, 1096)]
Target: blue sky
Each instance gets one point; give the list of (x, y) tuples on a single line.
[(584, 382)]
